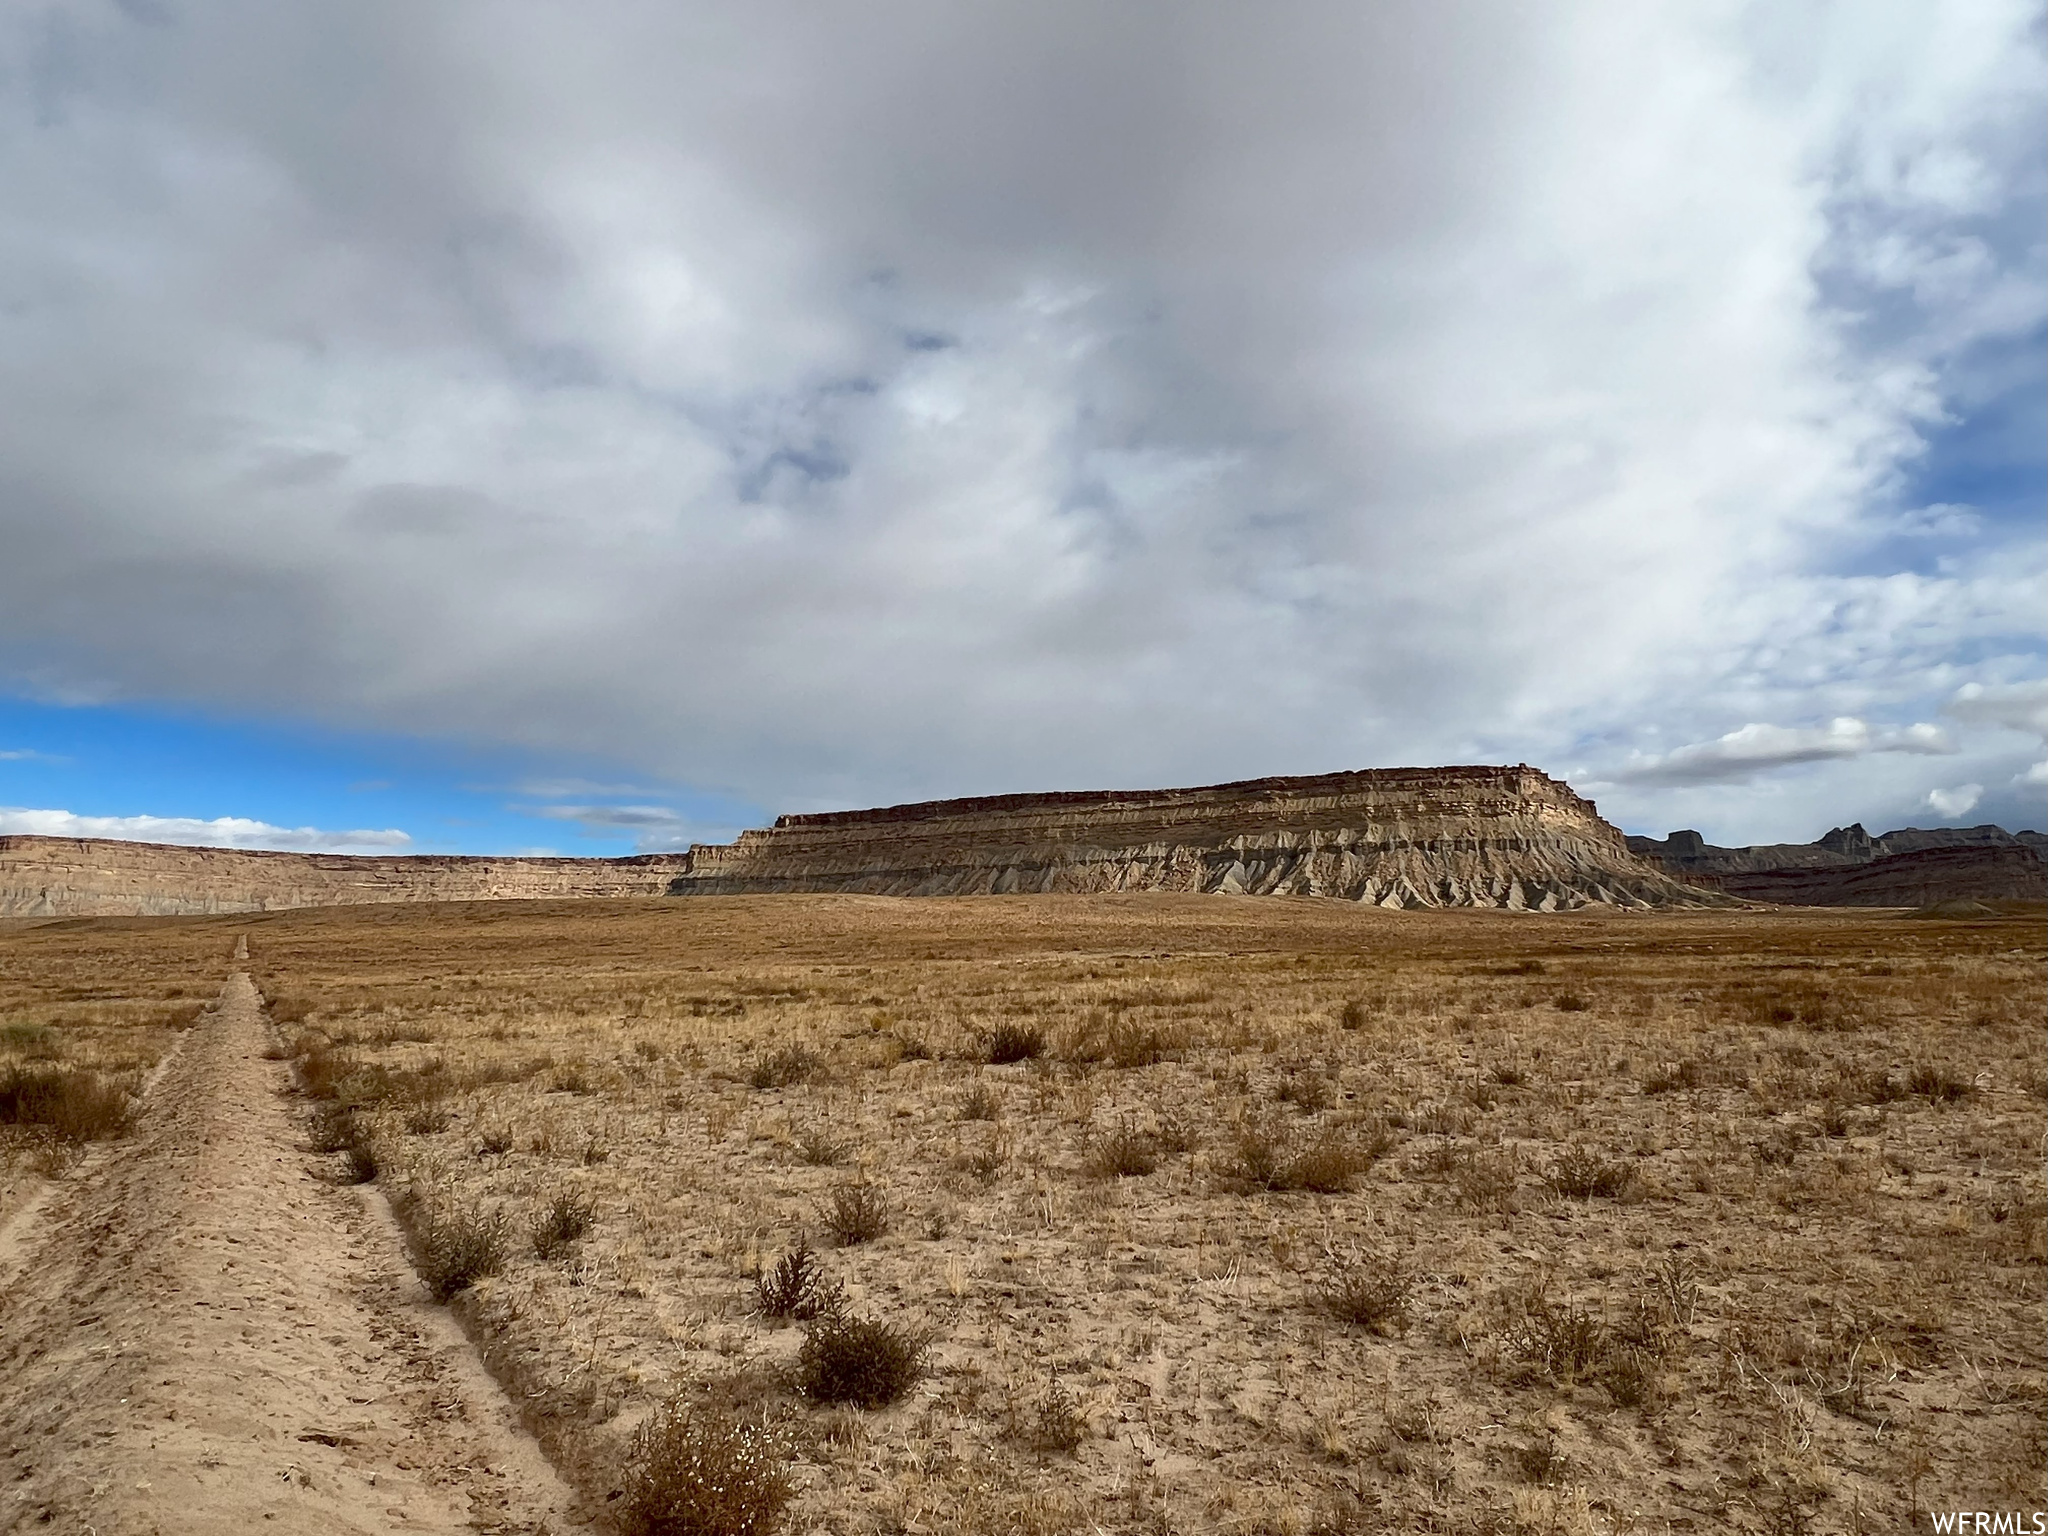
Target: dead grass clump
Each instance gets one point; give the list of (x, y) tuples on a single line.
[(1938, 1085), (863, 1361), (1132, 1045), (797, 1286), (72, 1103), (1012, 1042), (1360, 1011), (1123, 1153), (692, 1473), (321, 1069), (820, 1148), (1580, 1173), (1268, 1158), (428, 1119), (1367, 1290), (1309, 1092), (1054, 1426), (1570, 1002), (981, 1102), (781, 1069), (565, 1221), (857, 1214), (289, 1010), (454, 1252), (1523, 968)]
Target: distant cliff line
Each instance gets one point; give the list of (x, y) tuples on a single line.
[(101, 877)]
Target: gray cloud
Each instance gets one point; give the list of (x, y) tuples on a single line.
[(1755, 749), (653, 828), (849, 405)]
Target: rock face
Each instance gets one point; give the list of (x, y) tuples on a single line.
[(92, 877), (1912, 867), (1398, 837)]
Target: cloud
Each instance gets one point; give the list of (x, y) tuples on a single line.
[(2036, 775), (1951, 803), (2009, 706), (221, 832), (28, 755), (848, 405), (1756, 749), (654, 828)]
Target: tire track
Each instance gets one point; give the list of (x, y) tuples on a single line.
[(204, 1336)]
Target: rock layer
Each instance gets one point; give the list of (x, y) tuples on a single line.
[(93, 877), (1398, 837)]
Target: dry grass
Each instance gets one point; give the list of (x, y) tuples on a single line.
[(1710, 1221)]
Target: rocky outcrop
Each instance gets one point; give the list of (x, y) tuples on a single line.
[(1400, 837), (1911, 867), (93, 877)]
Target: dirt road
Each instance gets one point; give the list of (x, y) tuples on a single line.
[(199, 1334)]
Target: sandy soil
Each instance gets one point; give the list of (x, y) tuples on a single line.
[(200, 1335)]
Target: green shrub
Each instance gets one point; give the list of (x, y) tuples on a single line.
[(862, 1361)]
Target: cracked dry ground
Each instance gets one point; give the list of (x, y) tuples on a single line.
[(198, 1334)]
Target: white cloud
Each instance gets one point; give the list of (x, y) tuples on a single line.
[(2036, 775), (220, 832), (1951, 803), (27, 755), (1755, 749), (2010, 706), (847, 405)]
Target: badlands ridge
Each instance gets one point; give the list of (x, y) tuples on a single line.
[(1502, 837)]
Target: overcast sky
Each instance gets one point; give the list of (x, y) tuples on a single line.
[(783, 406)]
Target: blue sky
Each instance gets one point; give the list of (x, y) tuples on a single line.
[(609, 429)]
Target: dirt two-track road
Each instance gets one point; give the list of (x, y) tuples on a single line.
[(200, 1333)]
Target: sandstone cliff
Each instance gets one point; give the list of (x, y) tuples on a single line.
[(1400, 837), (92, 877), (1910, 867)]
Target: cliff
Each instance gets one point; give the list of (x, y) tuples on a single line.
[(1910, 867), (1399, 837), (91, 877)]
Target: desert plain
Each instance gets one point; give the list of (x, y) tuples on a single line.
[(1155, 1213)]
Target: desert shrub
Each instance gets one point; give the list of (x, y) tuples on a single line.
[(857, 1214), (360, 1166), (72, 1103), (780, 1069), (1440, 1119), (1359, 1011), (1564, 1342), (559, 1225), (981, 1102), (289, 1010), (30, 1042), (1778, 1147), (1368, 1290), (1509, 1076), (493, 1141), (693, 1473), (1123, 1153), (1580, 1173), (334, 1127), (1939, 1086), (1673, 1076), (863, 1361), (797, 1286), (1308, 1092), (1131, 1045), (1009, 1042), (819, 1148), (427, 1120), (1268, 1158), (1570, 1002), (1524, 968), (1054, 1425), (321, 1068), (453, 1252)]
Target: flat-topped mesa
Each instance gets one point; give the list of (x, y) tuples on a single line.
[(95, 877), (1398, 837)]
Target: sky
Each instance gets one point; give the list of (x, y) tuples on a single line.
[(492, 427)]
